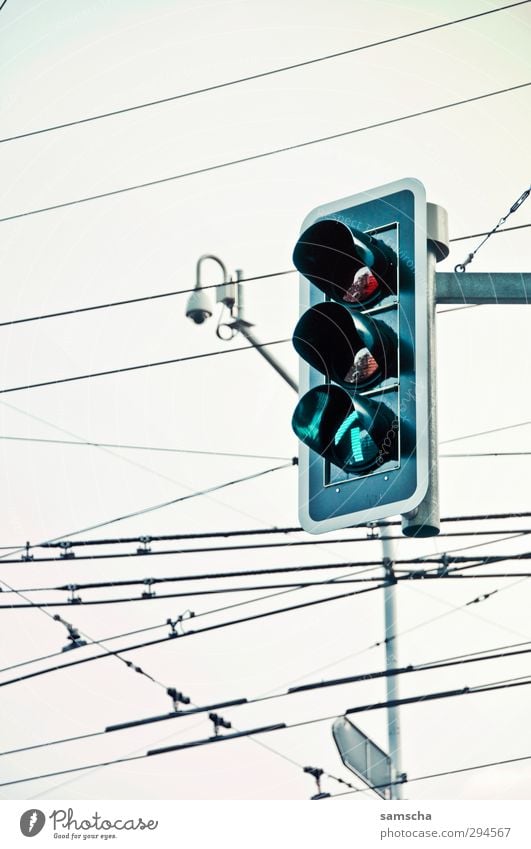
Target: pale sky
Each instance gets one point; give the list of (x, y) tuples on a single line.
[(62, 61)]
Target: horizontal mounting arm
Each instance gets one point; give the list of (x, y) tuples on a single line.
[(482, 288)]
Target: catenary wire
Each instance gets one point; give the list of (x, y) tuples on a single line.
[(263, 154), (253, 739), (86, 443), (410, 575), (141, 299), (406, 574), (443, 694), (478, 235), (142, 511), (175, 293), (276, 530), (190, 633), (146, 447), (121, 458), (424, 623), (471, 256), (257, 76), (457, 771), (208, 628), (182, 618), (508, 534), (141, 366), (497, 653), (484, 432), (274, 570), (462, 608)]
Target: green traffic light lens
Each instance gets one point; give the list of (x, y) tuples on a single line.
[(357, 435), (354, 446)]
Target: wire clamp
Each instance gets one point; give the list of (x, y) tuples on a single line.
[(73, 635), (149, 593), (27, 556), (442, 571), (219, 722), (390, 577), (144, 549), (372, 530), (66, 550), (174, 623), (177, 698), (317, 774), (461, 267), (74, 599)]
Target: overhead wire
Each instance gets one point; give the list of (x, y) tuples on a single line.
[(194, 632), (515, 4), (276, 530), (484, 432), (151, 508), (142, 299), (206, 286), (257, 76), (473, 563), (496, 653), (112, 453), (202, 452), (424, 623), (443, 774), (263, 154), (516, 205), (462, 608), (139, 367), (145, 553), (281, 726), (215, 627), (157, 627), (164, 449)]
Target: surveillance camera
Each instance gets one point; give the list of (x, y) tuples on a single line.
[(198, 307), (198, 316)]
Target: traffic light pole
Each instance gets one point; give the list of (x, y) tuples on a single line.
[(391, 662), (424, 520)]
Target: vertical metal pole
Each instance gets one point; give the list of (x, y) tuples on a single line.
[(391, 662), (425, 521), (239, 295)]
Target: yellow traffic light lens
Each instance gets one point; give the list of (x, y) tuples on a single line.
[(364, 369)]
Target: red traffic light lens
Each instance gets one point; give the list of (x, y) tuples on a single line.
[(363, 289)]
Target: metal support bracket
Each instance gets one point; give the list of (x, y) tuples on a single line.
[(482, 288)]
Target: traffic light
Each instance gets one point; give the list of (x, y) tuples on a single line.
[(362, 416)]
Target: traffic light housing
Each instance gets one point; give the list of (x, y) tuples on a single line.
[(362, 417)]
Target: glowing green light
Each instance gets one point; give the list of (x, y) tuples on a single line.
[(345, 426), (355, 442)]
